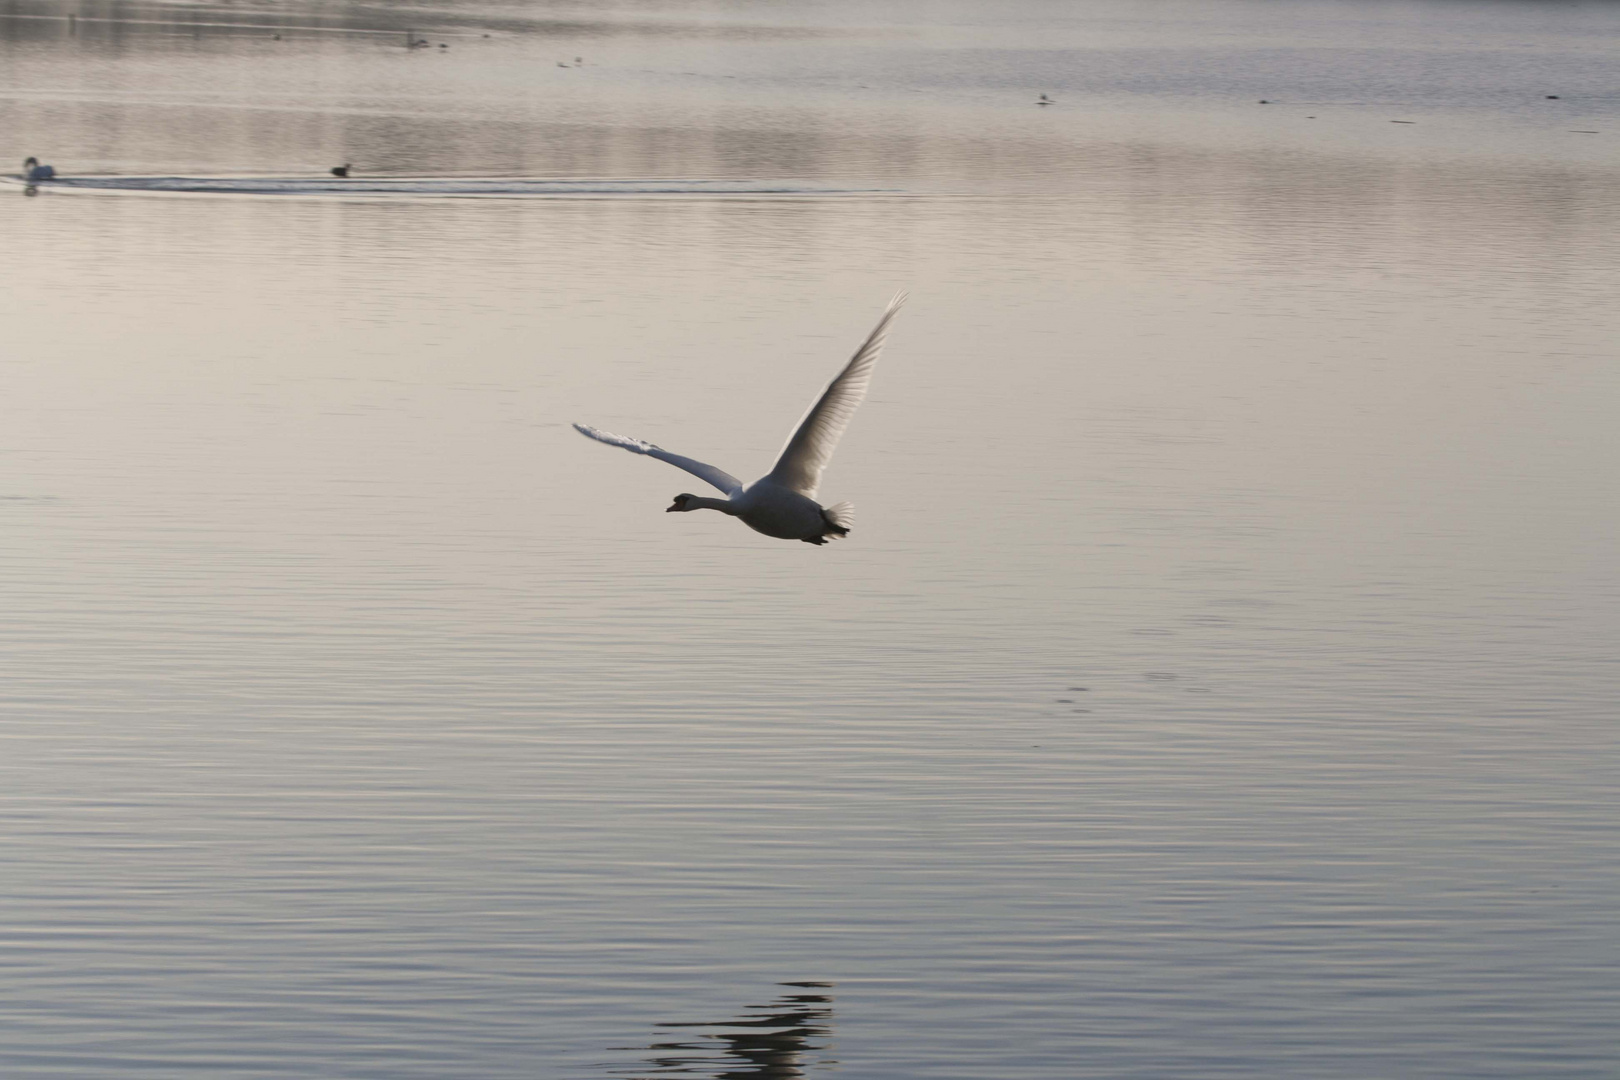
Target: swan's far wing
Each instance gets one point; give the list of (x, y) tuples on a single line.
[(718, 477), (812, 443)]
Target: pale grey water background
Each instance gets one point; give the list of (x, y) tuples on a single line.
[(1220, 680)]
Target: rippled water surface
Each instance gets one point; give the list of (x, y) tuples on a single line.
[(1219, 681)]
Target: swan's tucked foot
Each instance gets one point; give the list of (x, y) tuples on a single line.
[(834, 532)]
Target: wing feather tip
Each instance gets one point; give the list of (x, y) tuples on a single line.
[(635, 446)]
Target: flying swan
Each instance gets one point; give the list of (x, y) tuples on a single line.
[(783, 502)]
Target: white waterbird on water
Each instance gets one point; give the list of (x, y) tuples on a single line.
[(782, 503)]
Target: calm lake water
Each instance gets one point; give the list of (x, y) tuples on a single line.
[(1220, 680)]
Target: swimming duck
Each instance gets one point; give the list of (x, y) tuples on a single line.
[(34, 172)]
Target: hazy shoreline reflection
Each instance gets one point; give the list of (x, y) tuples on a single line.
[(771, 1046)]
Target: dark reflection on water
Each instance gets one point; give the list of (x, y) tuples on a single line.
[(769, 1042), (119, 23)]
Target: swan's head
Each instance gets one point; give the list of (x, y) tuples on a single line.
[(30, 163), (681, 504)]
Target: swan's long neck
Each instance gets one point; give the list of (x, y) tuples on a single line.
[(698, 502)]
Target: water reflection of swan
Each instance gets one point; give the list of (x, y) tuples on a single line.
[(34, 172), (772, 1046)]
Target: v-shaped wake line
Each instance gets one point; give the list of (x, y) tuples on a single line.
[(428, 187)]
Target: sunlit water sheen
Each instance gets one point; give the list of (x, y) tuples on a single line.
[(1220, 680)]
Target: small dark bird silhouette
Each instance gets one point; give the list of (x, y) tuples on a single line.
[(341, 170), (1044, 100)]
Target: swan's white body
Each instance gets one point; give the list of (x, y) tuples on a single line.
[(783, 502)]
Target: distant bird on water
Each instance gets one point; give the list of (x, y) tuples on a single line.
[(783, 502), (1044, 100), (34, 172), (341, 170)]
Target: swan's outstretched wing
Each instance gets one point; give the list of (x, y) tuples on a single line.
[(812, 443), (718, 477)]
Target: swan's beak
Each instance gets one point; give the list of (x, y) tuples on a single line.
[(672, 509)]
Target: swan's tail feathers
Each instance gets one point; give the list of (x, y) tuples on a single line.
[(840, 517)]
